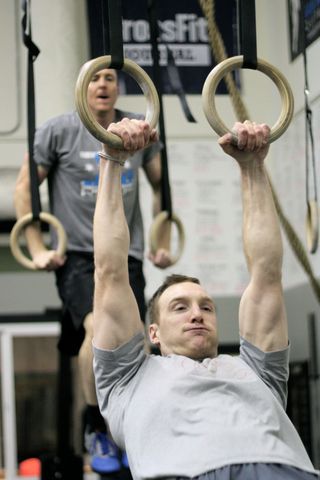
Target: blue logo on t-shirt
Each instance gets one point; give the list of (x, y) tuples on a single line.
[(89, 186), (127, 177)]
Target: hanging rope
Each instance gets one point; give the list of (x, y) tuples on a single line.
[(220, 54)]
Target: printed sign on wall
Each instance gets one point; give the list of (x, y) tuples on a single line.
[(304, 24), (182, 28)]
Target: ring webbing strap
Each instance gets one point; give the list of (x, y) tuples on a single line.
[(247, 33), (166, 203), (112, 31), (105, 27), (33, 52), (177, 87)]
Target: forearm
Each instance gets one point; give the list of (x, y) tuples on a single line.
[(111, 233), (116, 315), (261, 230), (156, 201), (22, 203)]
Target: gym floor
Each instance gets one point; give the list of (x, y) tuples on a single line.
[(92, 476)]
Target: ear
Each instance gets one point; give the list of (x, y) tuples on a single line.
[(154, 334)]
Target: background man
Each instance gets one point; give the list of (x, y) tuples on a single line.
[(66, 154)]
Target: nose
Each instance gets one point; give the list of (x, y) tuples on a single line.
[(196, 313), (102, 82)]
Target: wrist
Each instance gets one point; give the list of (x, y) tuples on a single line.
[(112, 158)]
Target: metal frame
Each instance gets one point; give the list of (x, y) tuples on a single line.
[(8, 413)]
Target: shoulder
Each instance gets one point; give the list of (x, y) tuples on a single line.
[(60, 122)]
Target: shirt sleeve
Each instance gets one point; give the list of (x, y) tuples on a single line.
[(114, 369), (44, 145), (271, 367)]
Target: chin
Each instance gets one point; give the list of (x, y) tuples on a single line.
[(201, 352)]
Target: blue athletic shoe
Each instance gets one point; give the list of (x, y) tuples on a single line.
[(103, 452)]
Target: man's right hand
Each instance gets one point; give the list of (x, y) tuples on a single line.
[(135, 134), (48, 260)]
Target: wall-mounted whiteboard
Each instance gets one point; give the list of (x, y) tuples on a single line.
[(206, 197), (289, 177)]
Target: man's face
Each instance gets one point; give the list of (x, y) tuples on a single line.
[(187, 322), (103, 91)]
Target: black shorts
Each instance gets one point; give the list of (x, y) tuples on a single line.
[(75, 283)]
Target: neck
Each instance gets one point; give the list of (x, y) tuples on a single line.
[(105, 118)]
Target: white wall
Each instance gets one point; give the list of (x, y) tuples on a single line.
[(59, 29)]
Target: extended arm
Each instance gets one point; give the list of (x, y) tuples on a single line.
[(262, 313), (43, 258), (116, 314)]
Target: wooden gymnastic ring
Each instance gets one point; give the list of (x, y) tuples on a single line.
[(137, 73), (159, 221), (220, 70), (312, 226), (21, 224)]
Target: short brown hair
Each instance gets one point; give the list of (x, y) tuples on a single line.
[(169, 280)]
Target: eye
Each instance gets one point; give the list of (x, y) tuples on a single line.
[(208, 308), (179, 307)]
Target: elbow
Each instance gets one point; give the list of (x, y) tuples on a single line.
[(269, 273), (106, 276), (110, 268)]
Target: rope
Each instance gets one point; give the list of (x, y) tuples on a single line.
[(219, 52)]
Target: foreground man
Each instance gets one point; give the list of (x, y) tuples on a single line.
[(191, 413)]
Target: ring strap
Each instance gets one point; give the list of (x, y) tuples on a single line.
[(246, 12), (161, 228), (175, 83), (166, 203), (112, 23), (177, 87), (33, 52)]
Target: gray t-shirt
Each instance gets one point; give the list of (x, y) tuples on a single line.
[(65, 147), (179, 417)]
